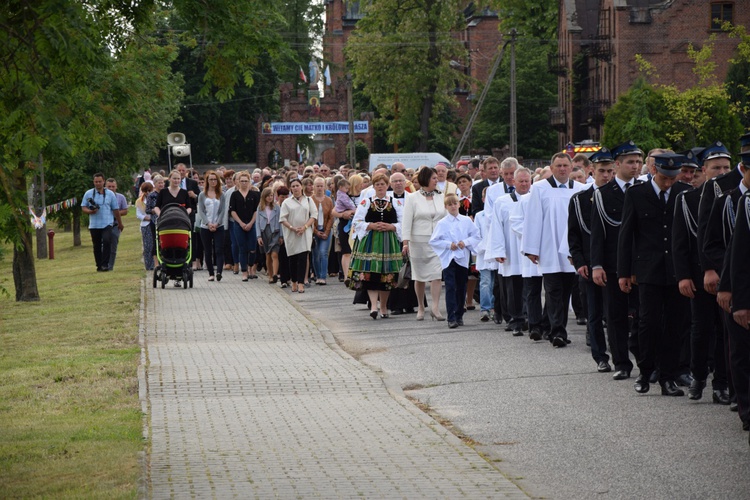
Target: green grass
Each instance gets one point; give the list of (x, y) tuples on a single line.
[(70, 419)]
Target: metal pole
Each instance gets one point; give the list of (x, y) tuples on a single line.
[(478, 107), (513, 129), (169, 157), (350, 113)]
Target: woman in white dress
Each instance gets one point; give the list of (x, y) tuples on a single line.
[(422, 211), (298, 214)]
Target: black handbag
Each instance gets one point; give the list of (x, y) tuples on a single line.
[(404, 275)]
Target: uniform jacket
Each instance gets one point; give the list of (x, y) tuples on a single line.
[(712, 189), (645, 240), (579, 227), (685, 237), (719, 228), (740, 264), (606, 216)]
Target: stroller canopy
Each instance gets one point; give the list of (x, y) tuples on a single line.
[(173, 216)]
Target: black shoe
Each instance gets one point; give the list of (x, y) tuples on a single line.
[(621, 375), (545, 334), (397, 312), (746, 425), (409, 310), (508, 328), (721, 397), (559, 342), (581, 321), (525, 326), (733, 406), (641, 384), (588, 338), (695, 391), (218, 276), (374, 314), (654, 377), (669, 388), (452, 324), (603, 367), (684, 380), (517, 332), (485, 316), (535, 333), (460, 322)]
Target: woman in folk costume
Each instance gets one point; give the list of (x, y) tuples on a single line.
[(376, 258)]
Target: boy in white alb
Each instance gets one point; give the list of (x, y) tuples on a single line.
[(454, 238)]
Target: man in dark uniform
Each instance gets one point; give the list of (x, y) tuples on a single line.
[(739, 270), (705, 318), (717, 153), (606, 217), (726, 215), (645, 243), (579, 245), (716, 158)]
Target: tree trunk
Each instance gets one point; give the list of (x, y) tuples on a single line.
[(76, 226), (24, 273), (41, 242)]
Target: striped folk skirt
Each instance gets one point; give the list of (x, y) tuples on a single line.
[(376, 261)]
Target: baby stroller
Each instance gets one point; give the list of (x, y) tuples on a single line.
[(173, 249)]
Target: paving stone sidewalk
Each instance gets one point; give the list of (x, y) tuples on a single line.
[(248, 398)]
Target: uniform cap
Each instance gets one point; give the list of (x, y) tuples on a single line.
[(715, 150), (669, 164), (626, 148), (604, 155)]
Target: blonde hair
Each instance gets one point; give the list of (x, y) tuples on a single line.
[(450, 198), (355, 184)]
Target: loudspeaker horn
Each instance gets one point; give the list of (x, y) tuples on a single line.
[(175, 139), (182, 150)]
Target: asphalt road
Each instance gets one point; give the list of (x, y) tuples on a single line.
[(543, 415)]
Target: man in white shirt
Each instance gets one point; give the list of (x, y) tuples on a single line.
[(544, 231), (503, 247), (443, 184), (508, 169)]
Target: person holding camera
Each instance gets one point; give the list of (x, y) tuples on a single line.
[(103, 210)]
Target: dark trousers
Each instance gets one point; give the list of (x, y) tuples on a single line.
[(283, 265), (595, 313), (661, 307), (197, 246), (213, 249), (532, 292), (298, 266), (739, 364), (455, 278), (514, 300), (707, 337), (618, 325), (229, 244), (101, 240), (558, 287), (578, 298), (501, 298)]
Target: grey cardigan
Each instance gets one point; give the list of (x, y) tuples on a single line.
[(262, 221), (203, 216)]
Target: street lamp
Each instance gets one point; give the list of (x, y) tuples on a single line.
[(177, 145)]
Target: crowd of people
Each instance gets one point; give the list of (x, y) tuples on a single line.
[(647, 248)]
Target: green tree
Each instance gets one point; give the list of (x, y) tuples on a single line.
[(536, 91), (640, 115), (532, 18), (400, 57)]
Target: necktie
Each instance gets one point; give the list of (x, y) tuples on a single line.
[(563, 186), (511, 189), (663, 197), (627, 186)]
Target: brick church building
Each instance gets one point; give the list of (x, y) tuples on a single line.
[(597, 45)]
